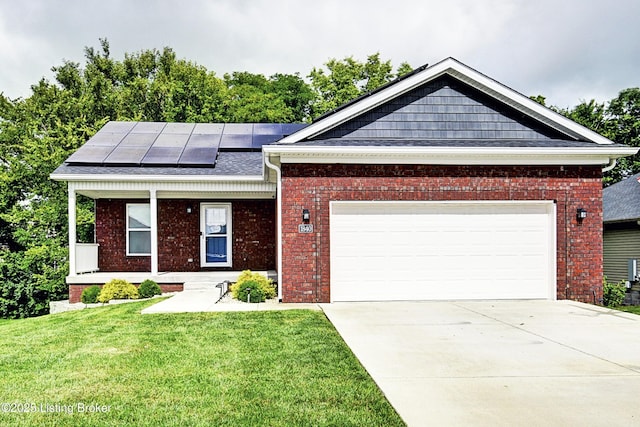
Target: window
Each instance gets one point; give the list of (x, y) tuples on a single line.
[(216, 232), (138, 229)]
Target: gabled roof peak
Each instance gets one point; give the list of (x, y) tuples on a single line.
[(456, 69)]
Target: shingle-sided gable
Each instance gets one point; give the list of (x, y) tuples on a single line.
[(443, 109)]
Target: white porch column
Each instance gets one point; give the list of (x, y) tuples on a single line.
[(153, 202), (72, 229)]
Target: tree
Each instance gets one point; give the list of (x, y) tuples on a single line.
[(618, 120), (623, 114), (38, 133), (347, 79)]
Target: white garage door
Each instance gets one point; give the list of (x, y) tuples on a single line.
[(442, 250)]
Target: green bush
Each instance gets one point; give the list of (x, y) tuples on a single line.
[(254, 292), (261, 287), (149, 288), (613, 293), (90, 294), (118, 289)]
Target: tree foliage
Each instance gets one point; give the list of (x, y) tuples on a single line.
[(618, 120), (345, 80), (39, 132)]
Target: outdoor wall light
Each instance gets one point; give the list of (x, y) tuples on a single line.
[(306, 216), (189, 209), (581, 214)]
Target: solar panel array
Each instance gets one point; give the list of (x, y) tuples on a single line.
[(175, 144)]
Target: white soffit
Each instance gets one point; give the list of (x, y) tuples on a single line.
[(467, 75)]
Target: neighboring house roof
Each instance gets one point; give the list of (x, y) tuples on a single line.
[(621, 201)]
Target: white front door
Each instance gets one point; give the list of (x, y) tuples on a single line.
[(215, 232)]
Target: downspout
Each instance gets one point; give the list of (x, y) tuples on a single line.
[(611, 165), (270, 165)]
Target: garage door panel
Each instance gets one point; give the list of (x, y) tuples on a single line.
[(423, 250)]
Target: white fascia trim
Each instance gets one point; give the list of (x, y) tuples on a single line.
[(155, 178), (465, 74), (453, 155)]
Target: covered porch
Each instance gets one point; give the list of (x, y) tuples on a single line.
[(181, 245)]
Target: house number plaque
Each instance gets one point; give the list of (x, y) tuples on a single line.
[(305, 228)]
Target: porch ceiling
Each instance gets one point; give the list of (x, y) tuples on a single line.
[(255, 189)]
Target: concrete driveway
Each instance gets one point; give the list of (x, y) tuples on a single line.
[(498, 363)]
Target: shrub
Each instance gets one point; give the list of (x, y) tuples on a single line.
[(90, 294), (255, 292), (117, 289), (261, 287), (613, 293), (149, 288)]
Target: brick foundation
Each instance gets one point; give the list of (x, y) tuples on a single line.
[(75, 291), (305, 275)]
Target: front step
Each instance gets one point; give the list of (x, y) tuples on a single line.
[(214, 290), (199, 286)]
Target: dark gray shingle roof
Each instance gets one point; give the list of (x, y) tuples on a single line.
[(621, 201), (521, 143), (228, 164)]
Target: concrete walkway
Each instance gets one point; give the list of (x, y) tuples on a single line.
[(205, 299), (498, 363)]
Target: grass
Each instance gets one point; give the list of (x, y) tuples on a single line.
[(635, 309), (272, 368)]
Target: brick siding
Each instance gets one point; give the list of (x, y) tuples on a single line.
[(305, 275), (253, 234)]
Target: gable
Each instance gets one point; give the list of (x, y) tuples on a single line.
[(443, 109)]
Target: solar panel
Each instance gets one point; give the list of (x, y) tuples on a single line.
[(90, 154), (260, 140), (106, 138), (236, 141), (208, 128), (178, 128), (148, 127), (238, 129), (162, 156), (126, 155), (183, 144), (138, 140), (171, 140), (118, 127), (204, 140), (290, 128), (197, 156), (267, 129)]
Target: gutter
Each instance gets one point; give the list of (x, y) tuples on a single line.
[(267, 162), (611, 165)]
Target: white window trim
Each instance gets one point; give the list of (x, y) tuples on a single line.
[(229, 234), (127, 230)]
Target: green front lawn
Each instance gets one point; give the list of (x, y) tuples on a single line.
[(276, 368), (635, 309)]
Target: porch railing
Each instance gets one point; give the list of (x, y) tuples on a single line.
[(86, 257)]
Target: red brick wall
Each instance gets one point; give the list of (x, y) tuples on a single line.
[(305, 275), (75, 291), (111, 223), (254, 243)]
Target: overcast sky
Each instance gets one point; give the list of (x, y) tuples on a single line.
[(566, 50)]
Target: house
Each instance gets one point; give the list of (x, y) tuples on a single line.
[(621, 236), (443, 184)]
